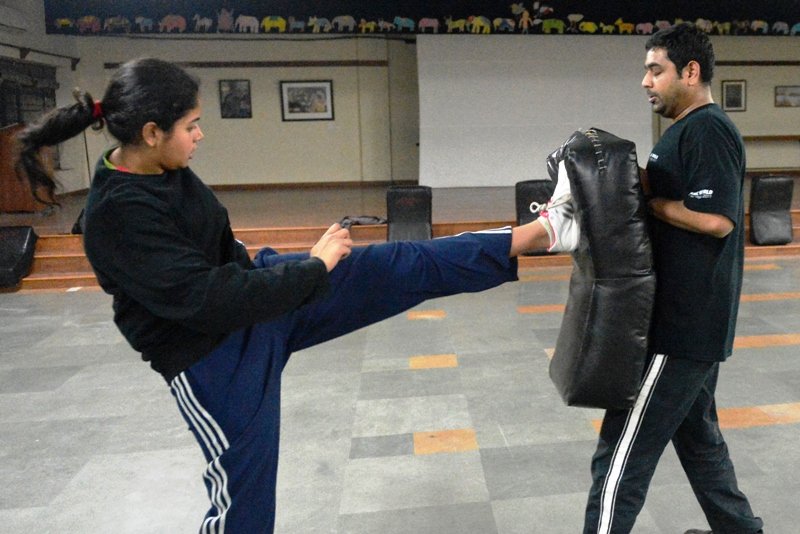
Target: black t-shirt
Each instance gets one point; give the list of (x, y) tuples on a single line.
[(162, 246), (700, 160)]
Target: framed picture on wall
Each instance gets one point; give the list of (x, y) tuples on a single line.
[(734, 95), (307, 100), (787, 96), (234, 99)]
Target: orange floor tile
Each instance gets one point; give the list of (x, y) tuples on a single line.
[(424, 315), (433, 361), (441, 441), (761, 267), (763, 297), (776, 340), (545, 308)]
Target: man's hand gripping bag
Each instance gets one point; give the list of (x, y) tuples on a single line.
[(602, 345)]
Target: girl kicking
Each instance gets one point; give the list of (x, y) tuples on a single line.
[(217, 325)]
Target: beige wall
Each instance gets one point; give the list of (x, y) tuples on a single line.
[(761, 116), (493, 107), (265, 149), (370, 139)]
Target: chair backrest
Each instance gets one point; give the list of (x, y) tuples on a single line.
[(409, 213), (529, 191), (17, 245), (770, 205)]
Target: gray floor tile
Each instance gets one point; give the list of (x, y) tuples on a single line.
[(744, 386), (409, 383), (554, 514), (784, 322), (537, 470), (385, 364), (35, 379), (23, 519), (54, 438), (673, 508), (499, 435), (342, 355), (385, 417), (310, 506), (379, 484), (126, 493), (453, 519), (29, 481), (374, 447), (401, 337)]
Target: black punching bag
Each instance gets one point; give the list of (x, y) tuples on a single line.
[(602, 345)]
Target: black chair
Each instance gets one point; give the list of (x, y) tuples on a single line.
[(770, 205), (529, 191), (408, 213), (17, 244)]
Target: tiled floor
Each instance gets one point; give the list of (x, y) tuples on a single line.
[(439, 421), (442, 421)]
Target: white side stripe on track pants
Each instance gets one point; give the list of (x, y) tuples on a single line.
[(215, 443), (625, 444)]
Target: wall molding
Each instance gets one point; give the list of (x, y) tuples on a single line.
[(269, 64), (25, 50), (743, 63)]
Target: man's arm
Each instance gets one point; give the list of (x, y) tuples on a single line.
[(674, 212)]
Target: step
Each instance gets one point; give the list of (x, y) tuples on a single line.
[(60, 263), (769, 251), (58, 281), (59, 244)]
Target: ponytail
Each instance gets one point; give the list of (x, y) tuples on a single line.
[(53, 128), (140, 91)]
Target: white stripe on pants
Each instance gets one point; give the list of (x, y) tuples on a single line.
[(216, 443), (625, 444)]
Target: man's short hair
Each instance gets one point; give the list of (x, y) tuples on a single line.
[(686, 42)]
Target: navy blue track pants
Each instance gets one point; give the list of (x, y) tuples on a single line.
[(231, 398)]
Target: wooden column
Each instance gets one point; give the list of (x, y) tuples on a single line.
[(15, 194)]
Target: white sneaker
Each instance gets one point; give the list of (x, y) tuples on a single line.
[(562, 184), (558, 216), (561, 226)]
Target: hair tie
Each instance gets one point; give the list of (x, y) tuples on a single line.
[(97, 111)]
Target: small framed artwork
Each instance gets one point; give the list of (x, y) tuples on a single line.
[(234, 99), (787, 96), (734, 95), (307, 100)]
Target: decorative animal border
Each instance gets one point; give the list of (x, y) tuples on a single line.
[(90, 17)]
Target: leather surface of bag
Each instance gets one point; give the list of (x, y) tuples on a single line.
[(602, 345)]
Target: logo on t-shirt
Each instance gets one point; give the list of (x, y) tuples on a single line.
[(653, 156), (703, 193)]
